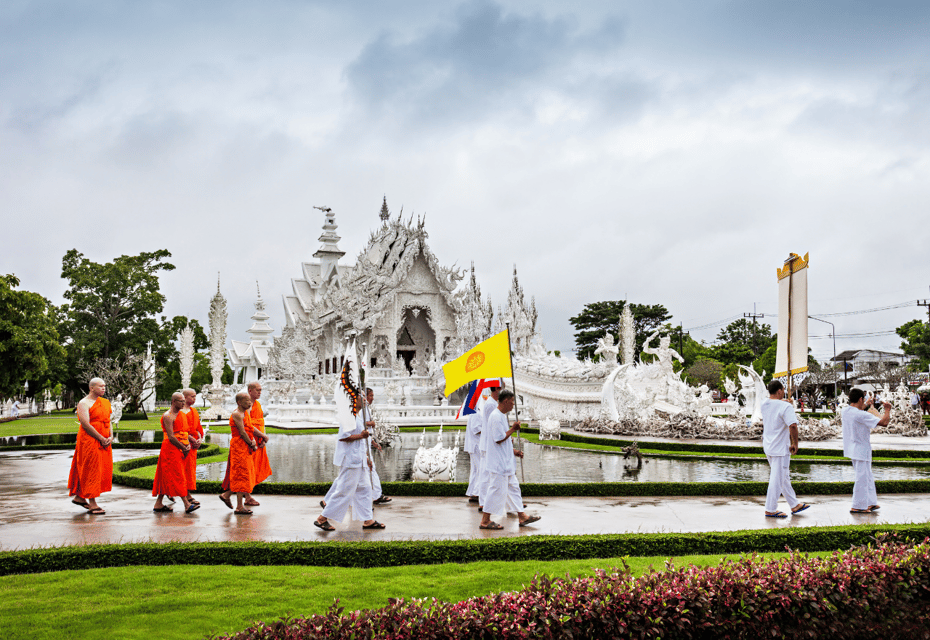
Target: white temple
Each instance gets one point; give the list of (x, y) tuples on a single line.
[(252, 356)]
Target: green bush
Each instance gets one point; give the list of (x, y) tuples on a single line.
[(412, 552)]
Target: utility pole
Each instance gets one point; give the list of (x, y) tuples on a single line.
[(681, 331), (925, 303), (754, 315)]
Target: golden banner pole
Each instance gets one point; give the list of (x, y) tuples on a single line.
[(515, 408)]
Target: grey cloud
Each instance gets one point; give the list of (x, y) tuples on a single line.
[(483, 58)]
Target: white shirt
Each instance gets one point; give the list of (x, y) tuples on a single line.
[(777, 416), (500, 456), (486, 410), (856, 427), (351, 454), (473, 431)]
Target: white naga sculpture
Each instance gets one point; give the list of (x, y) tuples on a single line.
[(148, 386), (550, 430), (753, 391), (437, 462)]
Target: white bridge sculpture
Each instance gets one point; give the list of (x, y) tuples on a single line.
[(436, 462), (550, 430)]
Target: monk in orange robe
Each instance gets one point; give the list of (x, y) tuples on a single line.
[(257, 415), (92, 465), (242, 447), (195, 439), (171, 472)]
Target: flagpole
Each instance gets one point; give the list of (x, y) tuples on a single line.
[(362, 385), (516, 410)]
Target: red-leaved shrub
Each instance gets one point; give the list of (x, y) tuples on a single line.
[(880, 591)]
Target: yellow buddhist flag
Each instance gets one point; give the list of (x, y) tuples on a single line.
[(490, 359)]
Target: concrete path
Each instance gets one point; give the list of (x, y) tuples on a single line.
[(37, 512)]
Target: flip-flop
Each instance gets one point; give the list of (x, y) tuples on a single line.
[(81, 504), (244, 512), (801, 507), (162, 509), (252, 503), (874, 507), (194, 501), (96, 511), (777, 514), (491, 525), (323, 503), (473, 499), (373, 525), (192, 508), (530, 520), (226, 501), (325, 525), (860, 511), (382, 500)]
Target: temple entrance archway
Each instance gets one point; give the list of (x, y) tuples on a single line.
[(416, 339)]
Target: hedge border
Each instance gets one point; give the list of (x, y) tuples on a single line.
[(590, 489), (366, 554)]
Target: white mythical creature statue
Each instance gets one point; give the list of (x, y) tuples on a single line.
[(730, 387), (550, 430), (606, 349), (662, 370), (116, 411), (437, 462), (754, 391)]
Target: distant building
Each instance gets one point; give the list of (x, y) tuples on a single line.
[(863, 367)]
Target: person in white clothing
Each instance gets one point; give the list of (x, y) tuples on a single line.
[(472, 441), (352, 486), (779, 442), (857, 425), (503, 493), (490, 404)]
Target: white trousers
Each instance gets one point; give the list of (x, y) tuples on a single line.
[(484, 477), (503, 495), (352, 487), (474, 473), (375, 486), (779, 483), (864, 495)]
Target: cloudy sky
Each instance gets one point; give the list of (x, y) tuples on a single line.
[(667, 152)]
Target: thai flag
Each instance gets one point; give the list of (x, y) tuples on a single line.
[(475, 388)]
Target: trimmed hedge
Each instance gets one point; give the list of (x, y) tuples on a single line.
[(396, 553), (591, 489), (873, 592), (70, 447)]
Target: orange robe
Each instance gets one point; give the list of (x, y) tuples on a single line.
[(262, 466), (241, 464), (194, 428), (171, 472), (92, 466)]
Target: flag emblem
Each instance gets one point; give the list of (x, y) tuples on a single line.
[(474, 361)]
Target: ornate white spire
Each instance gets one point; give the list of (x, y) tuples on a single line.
[(217, 334), (260, 330), (385, 212), (329, 251)]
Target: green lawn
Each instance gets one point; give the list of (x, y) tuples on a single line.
[(192, 601), (66, 423)]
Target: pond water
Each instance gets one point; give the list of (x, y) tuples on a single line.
[(71, 438), (309, 458)]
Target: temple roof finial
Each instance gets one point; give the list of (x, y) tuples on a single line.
[(385, 212)]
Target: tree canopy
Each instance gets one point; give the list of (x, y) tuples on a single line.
[(598, 317), (742, 342), (112, 308), (29, 343), (916, 342)]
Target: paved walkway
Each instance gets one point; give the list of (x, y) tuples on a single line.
[(37, 512)]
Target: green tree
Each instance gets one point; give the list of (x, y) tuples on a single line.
[(167, 355), (112, 308), (29, 346), (765, 364), (916, 342), (599, 317), (742, 341), (705, 371)]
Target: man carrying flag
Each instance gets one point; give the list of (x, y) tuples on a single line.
[(472, 407), (352, 486)]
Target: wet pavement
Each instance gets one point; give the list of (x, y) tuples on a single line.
[(37, 512)]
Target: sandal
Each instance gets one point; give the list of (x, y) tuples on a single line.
[(162, 509), (491, 525), (81, 504), (860, 510), (244, 512), (530, 520), (192, 508), (226, 501), (801, 507), (96, 511), (325, 525), (382, 500), (192, 501), (323, 503), (874, 507), (252, 503), (373, 525), (777, 514)]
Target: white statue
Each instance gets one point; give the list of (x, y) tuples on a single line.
[(550, 430), (116, 411), (437, 462), (148, 387), (606, 348), (627, 335), (186, 356), (664, 353)]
